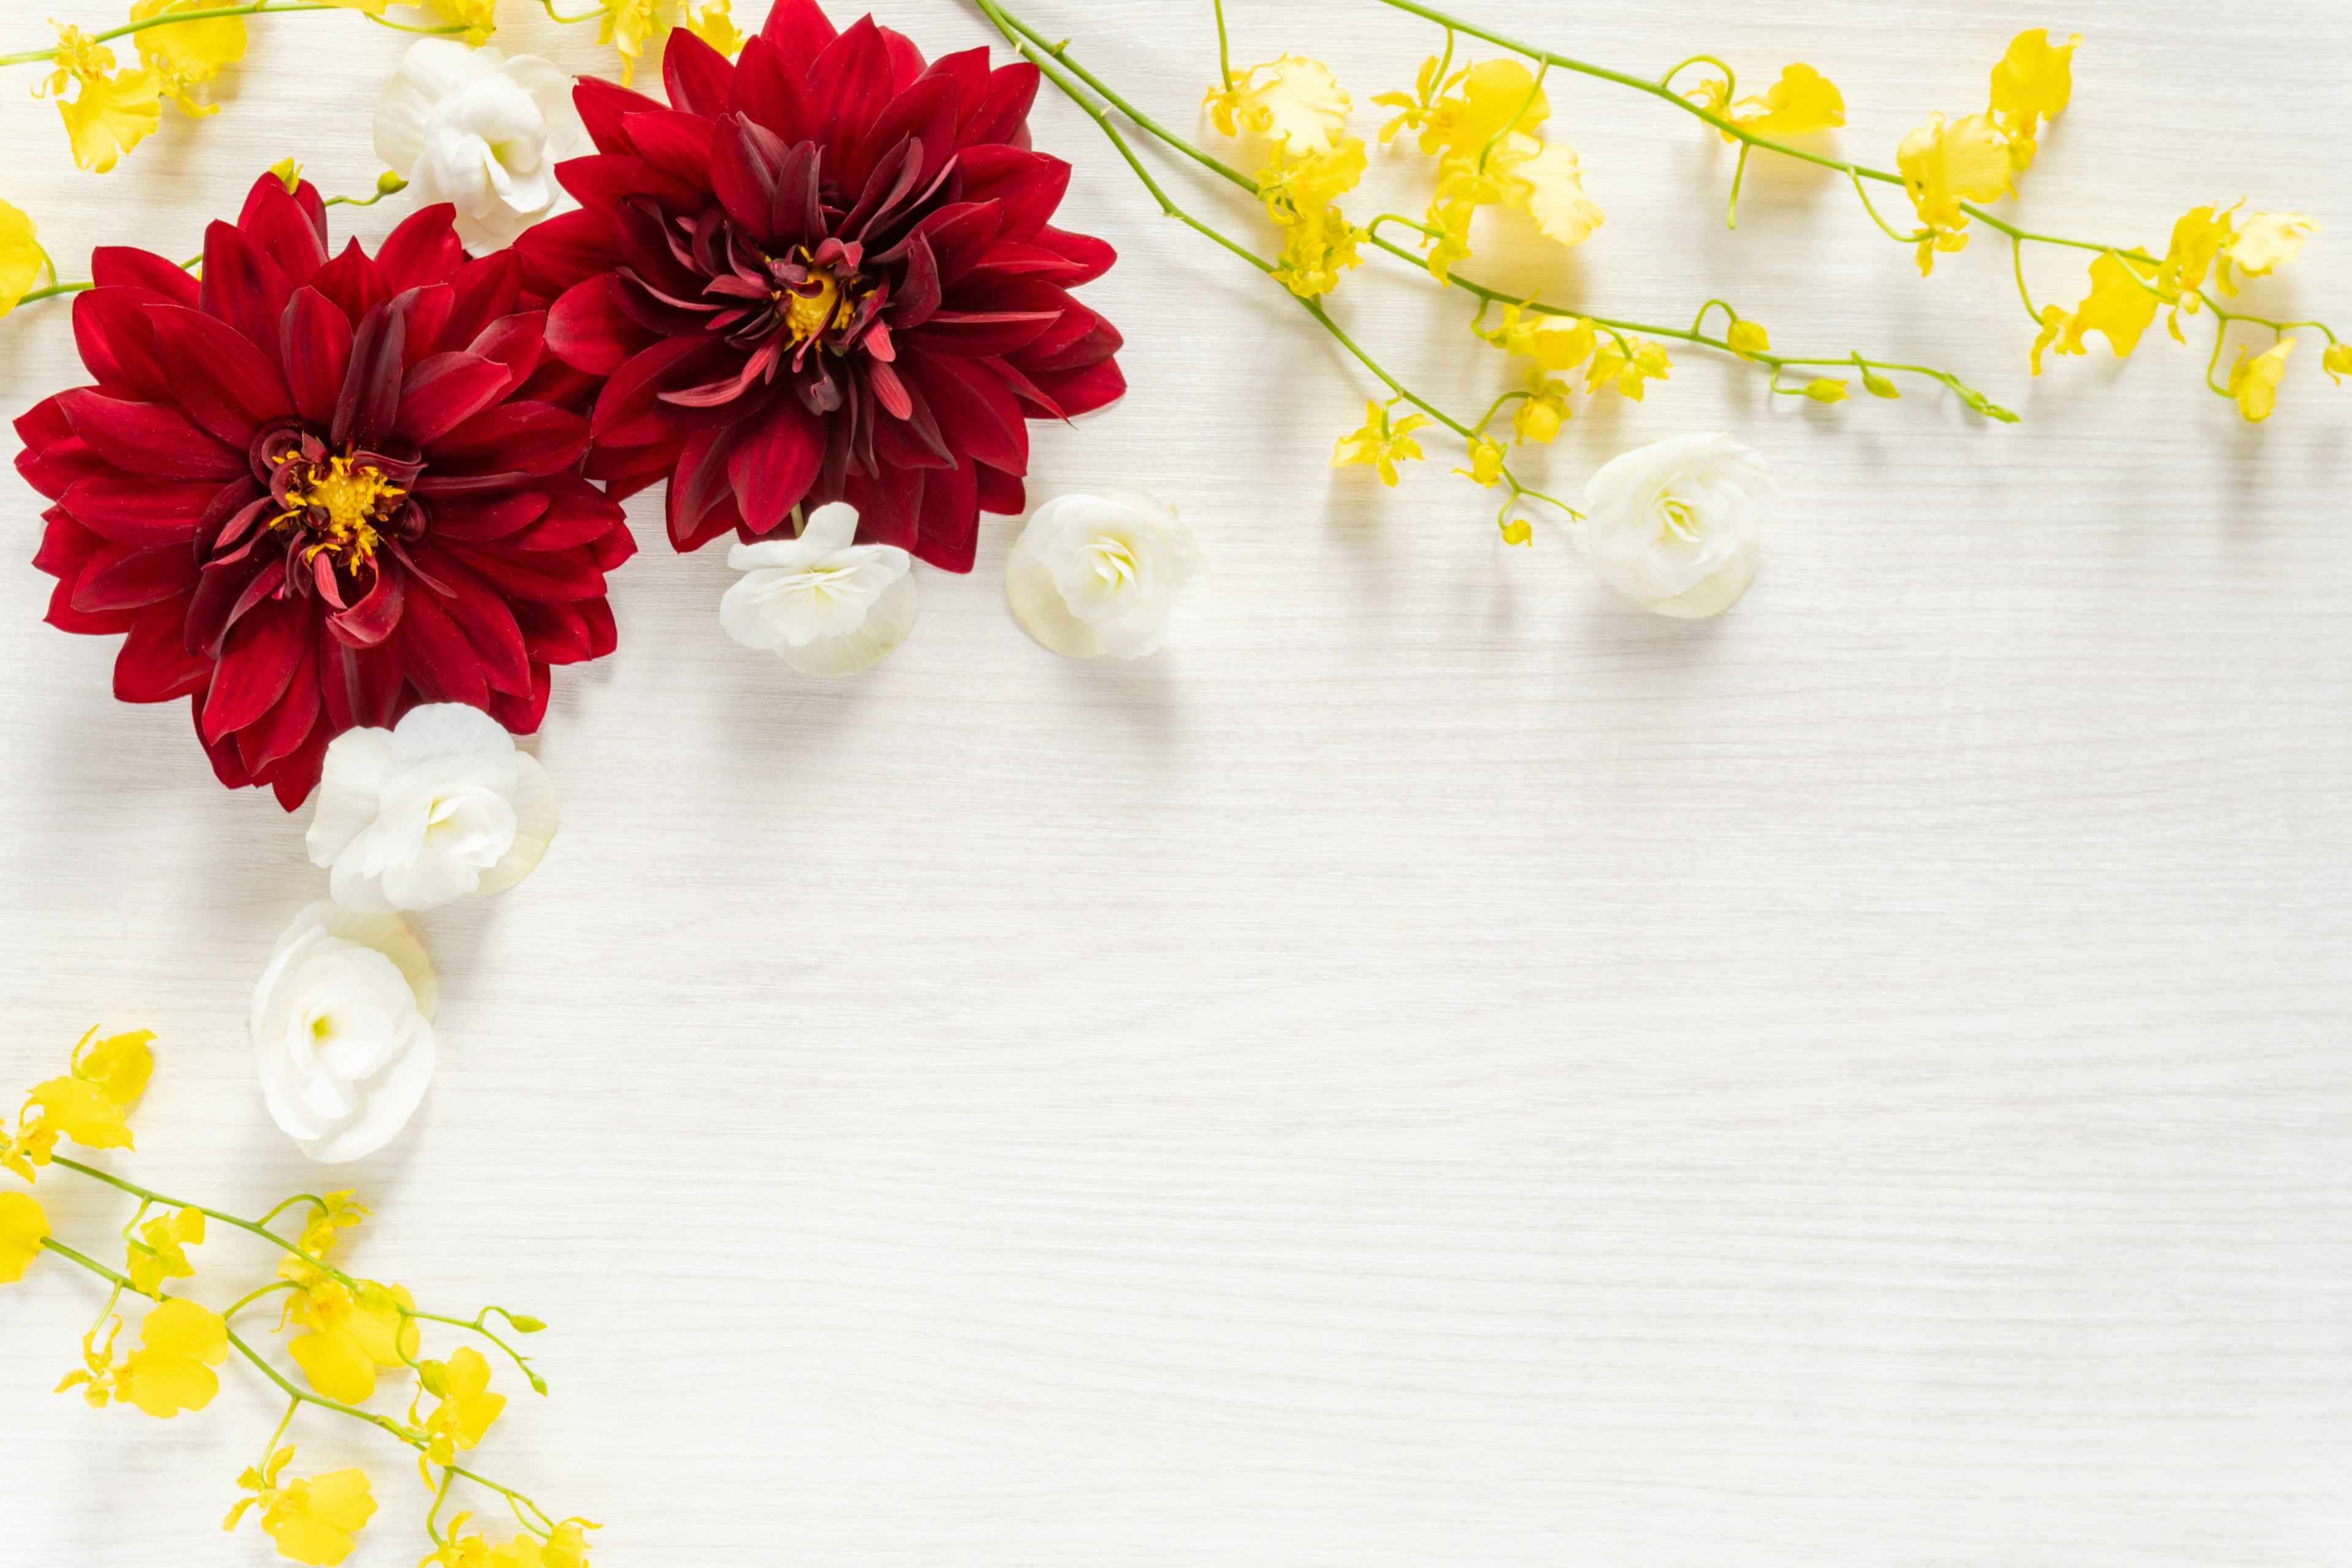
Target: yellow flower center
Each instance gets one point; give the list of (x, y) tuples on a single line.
[(816, 305), (1680, 519), (353, 497)]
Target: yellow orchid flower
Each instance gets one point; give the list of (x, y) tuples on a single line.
[(2266, 242), (312, 1519), (1826, 389), (1555, 342), (2032, 83), (714, 24), (111, 113), (1545, 410), (466, 1407), (1544, 180), (188, 53), (1318, 242), (1481, 102), (2336, 361), (628, 26), (94, 1376), (352, 1333), (159, 1253), (1412, 108), (72, 1108), (2120, 305), (171, 1370), (120, 1065), (1380, 445), (1944, 164), (474, 16), (2254, 384), (1747, 339), (1296, 100), (1801, 101), (20, 256), (23, 1227), (2054, 324), (334, 1213), (1485, 462), (2198, 237), (1628, 372)]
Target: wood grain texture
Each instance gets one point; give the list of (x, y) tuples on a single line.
[(1436, 1067)]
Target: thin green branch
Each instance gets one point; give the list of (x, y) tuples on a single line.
[(220, 13)]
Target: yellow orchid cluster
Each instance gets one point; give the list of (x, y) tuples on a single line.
[(354, 1329), (1302, 111), (109, 108), (1978, 157)]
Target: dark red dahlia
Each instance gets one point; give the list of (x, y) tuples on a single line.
[(823, 273), (316, 493)]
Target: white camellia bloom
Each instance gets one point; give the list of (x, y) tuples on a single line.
[(473, 128), (341, 1028), (439, 807), (822, 603), (1104, 574), (1677, 523)]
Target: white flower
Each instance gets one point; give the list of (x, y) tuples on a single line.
[(474, 128), (341, 1028), (1677, 523), (820, 602), (1104, 574), (442, 806)]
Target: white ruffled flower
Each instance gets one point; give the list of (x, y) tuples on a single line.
[(1677, 523), (483, 131), (441, 807), (341, 1028), (1104, 574), (820, 602)]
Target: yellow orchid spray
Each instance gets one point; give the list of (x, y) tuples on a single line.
[(355, 1327)]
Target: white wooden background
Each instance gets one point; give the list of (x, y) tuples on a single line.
[(1438, 1066)]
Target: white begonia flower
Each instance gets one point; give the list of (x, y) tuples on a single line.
[(1104, 574), (441, 807), (482, 132), (1678, 524), (822, 603), (341, 1028)]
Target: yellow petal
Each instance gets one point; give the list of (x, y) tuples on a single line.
[(1544, 179), (715, 24), (313, 1520), (1946, 165), (2032, 83), (1746, 338), (2255, 385), (119, 1065), (20, 256), (180, 1343), (2269, 240), (111, 116), (1296, 100), (1803, 100), (2337, 360), (23, 1227), (2197, 238), (1491, 97), (158, 1253), (191, 51), (2118, 306), (1826, 389), (82, 1113)]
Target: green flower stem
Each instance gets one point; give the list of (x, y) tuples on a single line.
[(283, 1422), (136, 1190), (1225, 47), (121, 1281), (555, 15), (250, 1297), (256, 8), (523, 1362)]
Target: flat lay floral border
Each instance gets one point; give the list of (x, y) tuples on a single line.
[(355, 507)]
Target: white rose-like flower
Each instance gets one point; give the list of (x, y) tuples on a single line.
[(1678, 524), (484, 132), (1104, 574), (341, 1028), (441, 807), (820, 603)]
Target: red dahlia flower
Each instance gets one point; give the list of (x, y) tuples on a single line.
[(316, 493), (825, 273)]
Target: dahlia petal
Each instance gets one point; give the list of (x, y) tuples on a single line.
[(610, 550), (984, 334), (152, 439), (905, 59), (1079, 339), (360, 686), (315, 344), (424, 250), (522, 715), (514, 342), (771, 90), (633, 388), (799, 27), (695, 489), (482, 614), (224, 592), (442, 392), (65, 545), (851, 78), (1004, 116), (604, 108), (583, 515), (424, 320), (290, 720), (1030, 185), (540, 577), (441, 662), (370, 399), (650, 317), (256, 665), (295, 775), (746, 160), (555, 633), (514, 437), (242, 286), (368, 621), (602, 180), (674, 140), (925, 111), (229, 386), (138, 512), (559, 385), (999, 492), (117, 342), (1091, 257), (772, 466), (888, 506), (1084, 391), (353, 282), (482, 293), (917, 294), (277, 223), (123, 266), (228, 766), (643, 235), (560, 251), (439, 487), (947, 526), (798, 216), (697, 76), (976, 411), (960, 236), (968, 69), (155, 665), (485, 518), (623, 470)]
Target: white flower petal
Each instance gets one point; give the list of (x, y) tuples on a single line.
[(884, 625), (341, 1030), (1678, 524), (481, 131), (536, 816), (1105, 575), (822, 603)]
